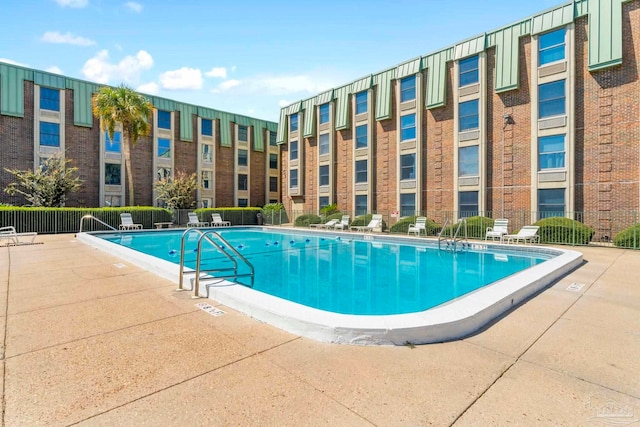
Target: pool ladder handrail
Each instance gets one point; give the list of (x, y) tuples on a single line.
[(452, 243), (89, 216), (206, 235)]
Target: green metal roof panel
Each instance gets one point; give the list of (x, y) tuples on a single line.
[(342, 107), (581, 8), (258, 134), (294, 108), (324, 97), (506, 41), (82, 98), (43, 78), (605, 33), (243, 120), (281, 135), (470, 47), (437, 77), (12, 89), (207, 113), (186, 121), (163, 103), (225, 127), (384, 95), (553, 18), (272, 126), (408, 68), (362, 84), (308, 106)]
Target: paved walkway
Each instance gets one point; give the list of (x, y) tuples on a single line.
[(90, 339)]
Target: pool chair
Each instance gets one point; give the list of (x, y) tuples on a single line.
[(499, 229), (343, 224), (194, 221), (528, 234), (217, 221), (8, 236), (329, 224), (419, 226), (126, 222), (376, 222)]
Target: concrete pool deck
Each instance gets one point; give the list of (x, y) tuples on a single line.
[(90, 339)]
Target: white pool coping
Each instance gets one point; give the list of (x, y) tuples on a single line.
[(450, 321)]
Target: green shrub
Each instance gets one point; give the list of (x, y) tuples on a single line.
[(476, 227), (329, 209), (274, 214), (306, 220), (628, 238), (363, 220), (403, 225), (237, 216), (562, 230)]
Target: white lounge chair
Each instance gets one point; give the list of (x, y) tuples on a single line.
[(499, 229), (329, 224), (126, 222), (194, 221), (419, 226), (343, 224), (11, 237), (376, 222), (528, 234), (217, 221)]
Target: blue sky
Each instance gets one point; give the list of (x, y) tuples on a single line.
[(245, 57)]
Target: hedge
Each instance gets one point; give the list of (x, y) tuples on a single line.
[(628, 238), (402, 226), (363, 220), (306, 220), (476, 227), (237, 216), (562, 230)]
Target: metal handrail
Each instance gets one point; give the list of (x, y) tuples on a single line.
[(89, 216), (454, 236)]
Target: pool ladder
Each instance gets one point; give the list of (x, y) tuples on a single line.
[(451, 242), (88, 216), (224, 247)]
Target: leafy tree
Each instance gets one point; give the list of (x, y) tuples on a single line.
[(48, 185), (122, 105), (177, 192)]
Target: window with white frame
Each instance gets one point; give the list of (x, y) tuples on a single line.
[(468, 164), (468, 203), (49, 99), (243, 182), (273, 184), (164, 119), (407, 127), (243, 157), (293, 178), (551, 46), (468, 71), (551, 152), (323, 175), (323, 144), (243, 133), (323, 201), (362, 140), (408, 88), (164, 147), (551, 99), (361, 204), (293, 150), (112, 174), (206, 180), (468, 115), (551, 202), (293, 122), (324, 113), (408, 166), (361, 172), (112, 145), (207, 152), (407, 204), (49, 134), (273, 161), (243, 203), (207, 127), (361, 102)]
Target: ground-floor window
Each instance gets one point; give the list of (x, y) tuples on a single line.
[(468, 203), (551, 202), (112, 174), (323, 201), (407, 204), (243, 203), (361, 204)]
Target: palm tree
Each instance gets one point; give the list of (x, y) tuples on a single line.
[(125, 106)]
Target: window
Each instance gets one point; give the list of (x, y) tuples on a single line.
[(468, 71), (468, 115), (323, 175), (272, 139), (206, 203), (361, 171), (551, 202), (112, 200), (323, 201), (293, 150), (408, 166), (361, 102), (207, 127), (293, 122), (243, 182), (273, 161), (243, 132), (207, 153), (243, 203), (323, 144), (243, 157), (293, 178), (49, 99), (164, 173), (361, 204), (468, 203), (361, 136), (407, 204), (551, 99), (407, 127), (273, 184), (164, 147), (551, 152), (551, 46), (468, 164), (164, 119), (408, 89), (112, 174), (206, 180), (112, 146), (324, 113), (50, 134)]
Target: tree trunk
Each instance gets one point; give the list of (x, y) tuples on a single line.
[(126, 151)]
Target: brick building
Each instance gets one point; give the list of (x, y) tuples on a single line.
[(538, 118), (235, 157)]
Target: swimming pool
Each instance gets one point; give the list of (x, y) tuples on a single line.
[(349, 287)]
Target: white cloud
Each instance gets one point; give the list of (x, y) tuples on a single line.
[(73, 3), (233, 69), (68, 38), (150, 88), (226, 85), (100, 70), (302, 85), (132, 5), (11, 61), (54, 69), (220, 72), (183, 78), (284, 103)]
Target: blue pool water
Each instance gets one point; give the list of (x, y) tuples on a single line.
[(344, 274)]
